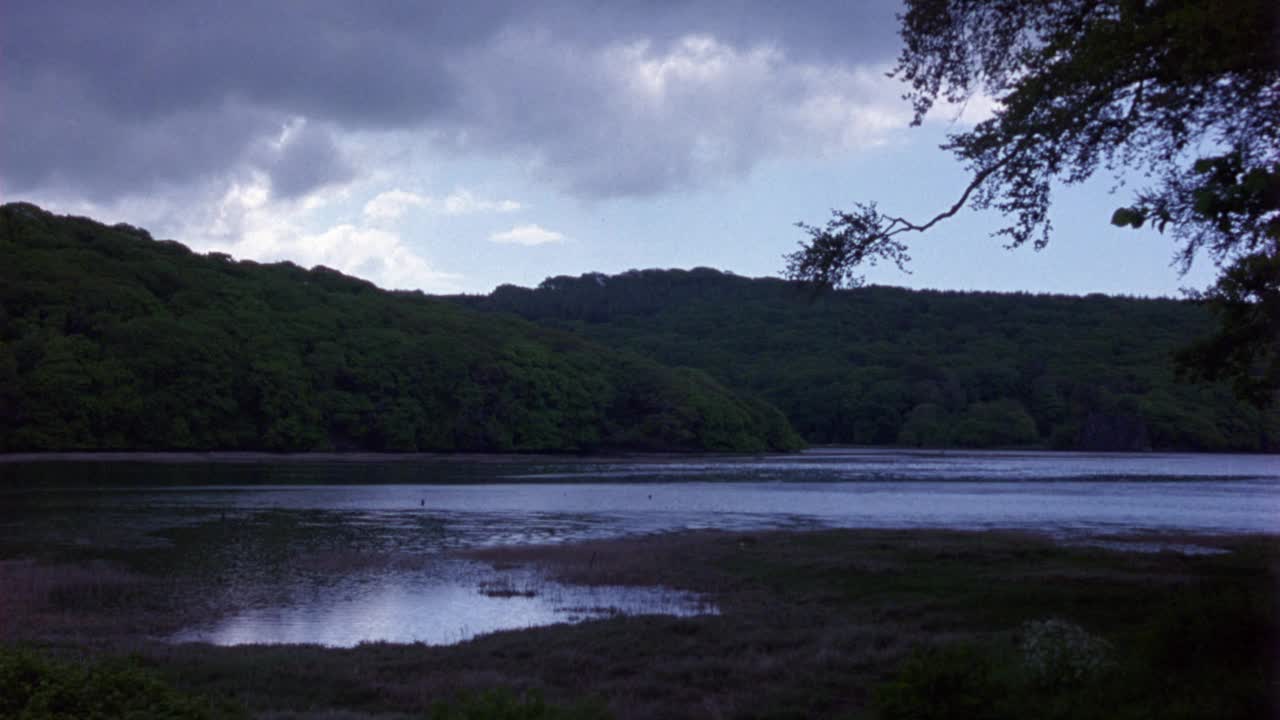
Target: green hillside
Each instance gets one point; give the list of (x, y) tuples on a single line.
[(110, 340), (883, 365)]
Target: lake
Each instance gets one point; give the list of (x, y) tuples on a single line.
[(339, 551)]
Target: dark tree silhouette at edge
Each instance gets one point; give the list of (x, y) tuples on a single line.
[(1184, 92)]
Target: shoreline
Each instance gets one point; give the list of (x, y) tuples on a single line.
[(250, 457)]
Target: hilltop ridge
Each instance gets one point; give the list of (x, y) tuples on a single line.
[(111, 340), (918, 368)]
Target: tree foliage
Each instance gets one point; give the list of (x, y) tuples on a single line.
[(110, 340), (1185, 92), (888, 366)]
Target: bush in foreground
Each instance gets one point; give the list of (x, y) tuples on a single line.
[(1184, 662), (506, 705), (35, 687)]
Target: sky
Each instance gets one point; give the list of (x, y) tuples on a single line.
[(456, 146)]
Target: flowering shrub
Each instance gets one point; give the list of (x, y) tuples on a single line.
[(1057, 653)]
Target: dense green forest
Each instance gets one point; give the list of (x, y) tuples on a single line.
[(882, 365), (112, 340)]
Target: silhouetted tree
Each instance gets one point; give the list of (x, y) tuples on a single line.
[(1184, 91)]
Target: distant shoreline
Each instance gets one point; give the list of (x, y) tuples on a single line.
[(252, 457), (248, 457)]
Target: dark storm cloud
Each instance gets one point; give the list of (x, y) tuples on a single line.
[(828, 31), (304, 159), (110, 99)]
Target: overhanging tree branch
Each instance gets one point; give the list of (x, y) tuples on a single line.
[(867, 236), (1083, 85)]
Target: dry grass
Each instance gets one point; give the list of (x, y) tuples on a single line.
[(54, 599)]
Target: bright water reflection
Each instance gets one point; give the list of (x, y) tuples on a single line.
[(435, 608)]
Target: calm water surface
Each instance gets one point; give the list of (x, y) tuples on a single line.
[(344, 552)]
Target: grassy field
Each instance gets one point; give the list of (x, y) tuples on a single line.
[(843, 624)]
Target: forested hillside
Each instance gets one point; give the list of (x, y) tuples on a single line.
[(883, 365), (112, 340)]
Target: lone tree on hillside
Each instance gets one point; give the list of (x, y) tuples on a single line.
[(1186, 92)]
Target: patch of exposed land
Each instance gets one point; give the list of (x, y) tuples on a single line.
[(812, 624)]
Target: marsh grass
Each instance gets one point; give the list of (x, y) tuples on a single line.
[(505, 586), (69, 598), (811, 624)]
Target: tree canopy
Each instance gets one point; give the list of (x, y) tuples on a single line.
[(919, 368), (110, 340), (1183, 92)]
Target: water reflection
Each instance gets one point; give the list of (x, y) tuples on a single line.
[(449, 604)]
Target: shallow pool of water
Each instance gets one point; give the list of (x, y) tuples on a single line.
[(444, 603)]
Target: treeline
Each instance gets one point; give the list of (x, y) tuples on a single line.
[(110, 340), (889, 366)]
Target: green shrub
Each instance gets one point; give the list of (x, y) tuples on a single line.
[(34, 687), (503, 704), (1208, 652), (941, 683), (1211, 651)]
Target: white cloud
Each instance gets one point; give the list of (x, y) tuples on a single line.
[(529, 235), (463, 202), (370, 253), (246, 223), (392, 204)]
